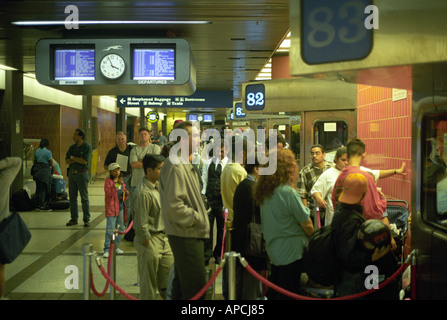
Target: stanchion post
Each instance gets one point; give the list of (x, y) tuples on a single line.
[(113, 268), (87, 254), (231, 279), (229, 228)]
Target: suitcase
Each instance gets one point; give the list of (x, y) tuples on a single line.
[(59, 205), (21, 201)]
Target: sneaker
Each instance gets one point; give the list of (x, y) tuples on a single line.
[(87, 223), (106, 254), (119, 251), (71, 223)]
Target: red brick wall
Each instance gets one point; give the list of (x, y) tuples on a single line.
[(385, 126)]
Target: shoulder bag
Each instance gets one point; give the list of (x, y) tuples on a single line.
[(14, 236)]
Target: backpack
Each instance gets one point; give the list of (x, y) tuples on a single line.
[(320, 260)]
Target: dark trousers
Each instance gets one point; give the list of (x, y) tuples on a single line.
[(215, 214), (41, 193), (287, 277), (78, 182), (189, 267)]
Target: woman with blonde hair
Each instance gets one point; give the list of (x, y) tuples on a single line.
[(286, 222)]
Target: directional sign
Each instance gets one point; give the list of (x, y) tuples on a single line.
[(334, 31), (200, 99)]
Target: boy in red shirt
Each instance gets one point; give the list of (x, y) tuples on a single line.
[(373, 202)]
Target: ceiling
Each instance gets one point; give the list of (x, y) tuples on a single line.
[(228, 51)]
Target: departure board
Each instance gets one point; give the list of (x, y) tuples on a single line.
[(74, 64), (154, 64)]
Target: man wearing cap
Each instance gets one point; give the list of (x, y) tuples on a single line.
[(347, 221)]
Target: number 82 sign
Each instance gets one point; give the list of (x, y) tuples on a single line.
[(255, 96)]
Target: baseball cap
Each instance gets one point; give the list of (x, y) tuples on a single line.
[(373, 234), (113, 166), (354, 187)]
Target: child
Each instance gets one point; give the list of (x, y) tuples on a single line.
[(115, 195)]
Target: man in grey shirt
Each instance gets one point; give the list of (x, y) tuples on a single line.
[(184, 215)]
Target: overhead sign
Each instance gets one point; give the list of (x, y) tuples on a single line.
[(116, 66), (255, 96), (334, 31), (200, 99), (239, 110)]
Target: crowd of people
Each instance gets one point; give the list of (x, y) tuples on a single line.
[(174, 206)]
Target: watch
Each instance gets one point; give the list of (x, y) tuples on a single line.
[(112, 66)]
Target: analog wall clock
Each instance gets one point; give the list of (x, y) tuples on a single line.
[(112, 66)]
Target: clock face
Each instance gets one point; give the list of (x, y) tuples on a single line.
[(112, 66)]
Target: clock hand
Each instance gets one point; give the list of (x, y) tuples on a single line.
[(112, 63)]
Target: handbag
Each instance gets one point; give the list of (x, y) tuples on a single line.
[(254, 240), (14, 236)]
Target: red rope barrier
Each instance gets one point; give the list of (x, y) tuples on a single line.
[(128, 228), (109, 267), (207, 285), (124, 293), (300, 297)]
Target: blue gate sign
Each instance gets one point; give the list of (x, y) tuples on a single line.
[(334, 30), (239, 111), (254, 96)]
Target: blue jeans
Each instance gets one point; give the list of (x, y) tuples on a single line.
[(79, 182), (116, 222)]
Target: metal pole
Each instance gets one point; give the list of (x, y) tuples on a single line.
[(229, 228), (231, 256), (113, 267), (86, 252)]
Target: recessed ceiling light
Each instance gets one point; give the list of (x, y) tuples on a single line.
[(93, 22)]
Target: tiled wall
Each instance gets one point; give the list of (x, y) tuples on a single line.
[(385, 126)]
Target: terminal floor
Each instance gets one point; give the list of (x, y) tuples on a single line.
[(39, 273)]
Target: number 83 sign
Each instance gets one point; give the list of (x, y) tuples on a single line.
[(337, 30)]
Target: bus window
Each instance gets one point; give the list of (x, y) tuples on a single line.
[(434, 178), (331, 135), (295, 140)]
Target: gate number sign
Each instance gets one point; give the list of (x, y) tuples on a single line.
[(337, 30)]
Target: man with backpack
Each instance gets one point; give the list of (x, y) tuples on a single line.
[(356, 250)]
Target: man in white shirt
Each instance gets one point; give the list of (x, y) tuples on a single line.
[(323, 187)]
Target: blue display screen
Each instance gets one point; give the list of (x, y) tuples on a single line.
[(153, 64), (207, 118), (74, 64), (192, 117)]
